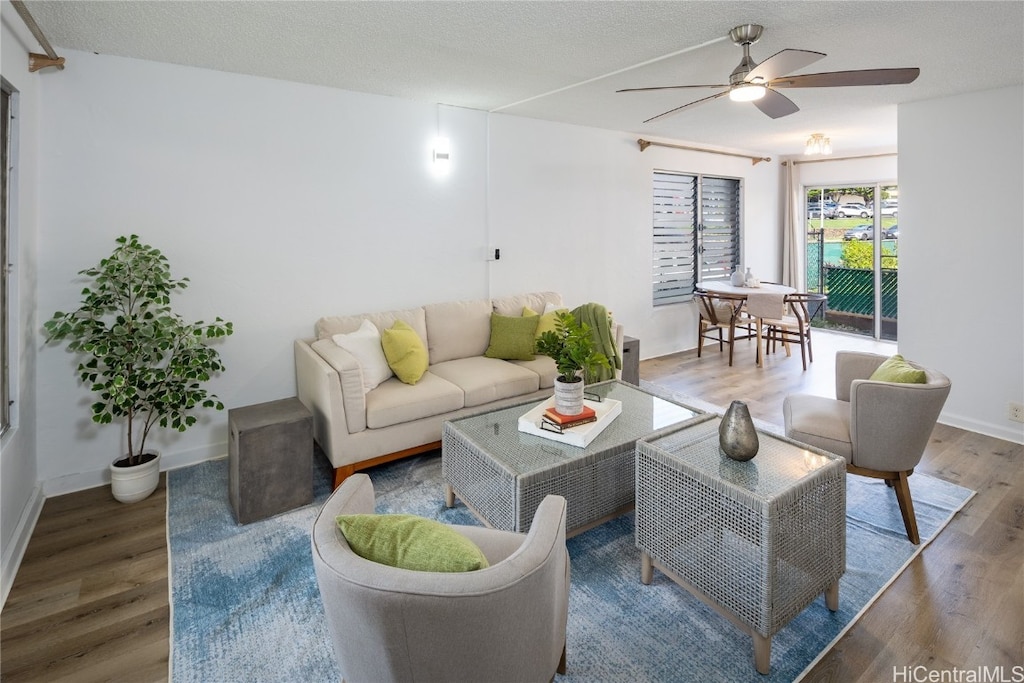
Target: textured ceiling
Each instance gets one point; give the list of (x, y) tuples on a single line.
[(563, 61)]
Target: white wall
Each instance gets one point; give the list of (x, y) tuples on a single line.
[(570, 208), (284, 202), (961, 298), (21, 497), (281, 202)]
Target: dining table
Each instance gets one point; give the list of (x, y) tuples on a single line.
[(767, 300)]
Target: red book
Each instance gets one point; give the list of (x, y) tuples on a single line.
[(587, 415)]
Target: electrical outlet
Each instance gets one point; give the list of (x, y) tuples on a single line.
[(1016, 412)]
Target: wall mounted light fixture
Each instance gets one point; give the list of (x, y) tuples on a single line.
[(818, 144), (442, 155)]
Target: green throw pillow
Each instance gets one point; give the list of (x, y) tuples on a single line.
[(512, 338), (895, 369), (547, 321), (406, 354), (410, 542)]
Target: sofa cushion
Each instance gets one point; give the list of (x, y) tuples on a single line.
[(405, 351), (394, 402), (365, 345), (546, 322), (329, 326), (458, 329), (543, 366), (514, 305), (487, 379), (351, 378), (512, 338)]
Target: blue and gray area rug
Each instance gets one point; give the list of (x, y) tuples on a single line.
[(245, 605)]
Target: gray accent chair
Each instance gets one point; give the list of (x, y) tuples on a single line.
[(881, 428), (503, 623)]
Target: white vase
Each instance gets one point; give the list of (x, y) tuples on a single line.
[(736, 279), (135, 482), (569, 397)]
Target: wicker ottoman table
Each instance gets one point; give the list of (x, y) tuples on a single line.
[(502, 474), (758, 541)]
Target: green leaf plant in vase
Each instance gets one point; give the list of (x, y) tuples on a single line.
[(571, 345), (145, 364)]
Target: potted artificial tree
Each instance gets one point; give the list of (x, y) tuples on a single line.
[(571, 346), (142, 360)]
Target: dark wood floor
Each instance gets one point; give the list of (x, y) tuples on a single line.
[(89, 602)]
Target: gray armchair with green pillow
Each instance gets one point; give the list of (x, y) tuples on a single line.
[(504, 622), (880, 421)]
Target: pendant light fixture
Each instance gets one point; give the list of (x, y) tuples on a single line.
[(818, 144)]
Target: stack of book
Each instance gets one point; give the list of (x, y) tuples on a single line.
[(574, 430), (557, 419)]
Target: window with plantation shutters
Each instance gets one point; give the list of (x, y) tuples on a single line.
[(696, 232)]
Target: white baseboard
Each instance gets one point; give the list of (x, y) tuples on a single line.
[(15, 551), (80, 481), (1006, 433)]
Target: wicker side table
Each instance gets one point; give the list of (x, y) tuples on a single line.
[(270, 458), (757, 541)]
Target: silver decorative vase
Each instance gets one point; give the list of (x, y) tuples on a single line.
[(569, 397), (737, 435)]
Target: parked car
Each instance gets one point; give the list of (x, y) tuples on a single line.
[(891, 233), (889, 209), (845, 210), (860, 232), (814, 209)]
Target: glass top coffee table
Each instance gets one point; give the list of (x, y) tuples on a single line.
[(502, 474)]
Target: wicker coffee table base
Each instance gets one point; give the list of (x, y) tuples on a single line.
[(757, 541), (762, 644)]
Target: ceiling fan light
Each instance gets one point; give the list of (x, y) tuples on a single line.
[(747, 92)]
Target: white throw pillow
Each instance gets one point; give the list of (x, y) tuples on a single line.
[(365, 345)]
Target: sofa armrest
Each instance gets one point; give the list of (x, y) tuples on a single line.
[(319, 389), (620, 341)]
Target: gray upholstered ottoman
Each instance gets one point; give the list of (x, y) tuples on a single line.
[(270, 458)]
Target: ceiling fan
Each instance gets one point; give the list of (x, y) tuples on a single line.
[(753, 82)]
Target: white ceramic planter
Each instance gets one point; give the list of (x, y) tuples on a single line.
[(135, 483), (569, 397)]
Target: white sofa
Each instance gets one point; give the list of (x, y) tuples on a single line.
[(358, 429)]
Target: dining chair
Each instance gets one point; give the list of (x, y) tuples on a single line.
[(795, 326), (721, 313)]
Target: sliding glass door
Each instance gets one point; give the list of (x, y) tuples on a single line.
[(852, 256)]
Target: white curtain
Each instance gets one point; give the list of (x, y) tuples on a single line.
[(794, 268)]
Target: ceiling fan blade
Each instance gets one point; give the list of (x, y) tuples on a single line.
[(685, 106), (776, 105), (782, 63), (674, 87), (843, 78)]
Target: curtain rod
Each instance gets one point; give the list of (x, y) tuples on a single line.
[(37, 61), (797, 162), (644, 144)]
